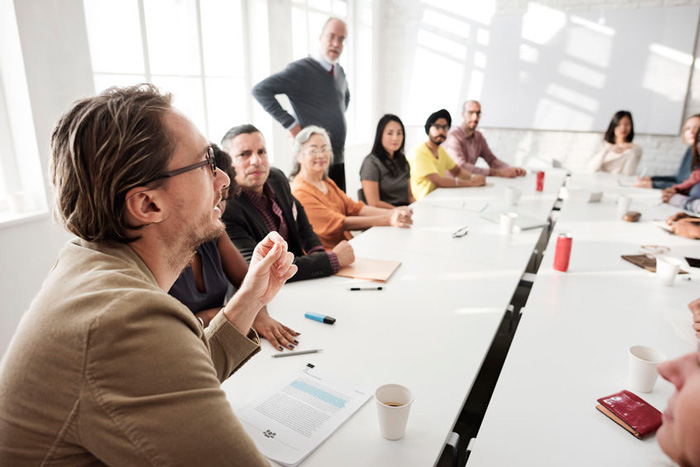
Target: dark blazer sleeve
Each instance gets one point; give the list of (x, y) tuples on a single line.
[(244, 226), (301, 235), (312, 265), (663, 181)]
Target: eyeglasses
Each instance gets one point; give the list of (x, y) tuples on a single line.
[(316, 152), (208, 160), (441, 127)]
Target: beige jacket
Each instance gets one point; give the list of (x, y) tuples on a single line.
[(606, 159), (106, 368)]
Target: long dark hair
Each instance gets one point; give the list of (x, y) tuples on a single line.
[(619, 115), (695, 160), (224, 163), (378, 150)]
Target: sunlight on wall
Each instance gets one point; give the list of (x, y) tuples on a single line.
[(665, 77), (528, 53), (582, 74), (445, 22), (480, 12), (476, 85), (436, 75), (589, 45), (552, 114), (541, 23), (483, 36), (598, 27), (441, 45), (576, 99)]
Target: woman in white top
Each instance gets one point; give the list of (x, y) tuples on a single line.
[(617, 154)]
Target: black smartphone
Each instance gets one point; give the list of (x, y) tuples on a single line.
[(693, 262)]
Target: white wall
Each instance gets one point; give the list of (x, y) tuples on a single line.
[(57, 63), (400, 21)]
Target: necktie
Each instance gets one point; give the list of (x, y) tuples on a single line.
[(332, 72)]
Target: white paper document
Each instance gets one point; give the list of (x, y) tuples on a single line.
[(293, 419)]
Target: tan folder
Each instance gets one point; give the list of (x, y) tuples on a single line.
[(369, 269)]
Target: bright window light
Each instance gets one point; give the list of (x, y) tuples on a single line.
[(195, 50), (541, 23)]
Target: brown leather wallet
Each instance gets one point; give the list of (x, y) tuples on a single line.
[(631, 412), (645, 262)]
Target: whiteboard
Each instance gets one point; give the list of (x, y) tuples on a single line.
[(549, 69)]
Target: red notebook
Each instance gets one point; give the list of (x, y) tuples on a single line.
[(631, 412)]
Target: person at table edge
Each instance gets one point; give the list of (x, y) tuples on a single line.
[(690, 128)]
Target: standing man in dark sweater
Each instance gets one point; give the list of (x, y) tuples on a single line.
[(319, 94)]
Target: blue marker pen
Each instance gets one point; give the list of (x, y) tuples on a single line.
[(320, 318)]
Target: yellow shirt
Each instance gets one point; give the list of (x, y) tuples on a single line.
[(423, 163)]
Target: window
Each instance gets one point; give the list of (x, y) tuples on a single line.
[(21, 192), (191, 48), (8, 163)]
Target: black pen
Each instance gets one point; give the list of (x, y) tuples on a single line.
[(461, 232), (291, 354), (357, 289)]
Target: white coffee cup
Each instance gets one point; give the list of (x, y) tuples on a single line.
[(623, 205), (667, 268), (393, 406), (507, 222), (642, 367), (512, 195)]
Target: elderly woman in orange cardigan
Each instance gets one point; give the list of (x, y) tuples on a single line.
[(331, 212)]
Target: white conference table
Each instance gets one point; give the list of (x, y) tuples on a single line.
[(430, 329), (571, 344)]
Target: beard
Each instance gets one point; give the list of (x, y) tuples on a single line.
[(187, 235), (437, 140)]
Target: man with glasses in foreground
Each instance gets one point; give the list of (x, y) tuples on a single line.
[(466, 145), (429, 162), (105, 367), (265, 204)]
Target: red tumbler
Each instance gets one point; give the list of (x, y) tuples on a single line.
[(562, 252), (540, 181)]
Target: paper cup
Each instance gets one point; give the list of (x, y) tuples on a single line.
[(507, 222), (393, 405), (512, 196), (623, 205), (642, 367), (667, 269)]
